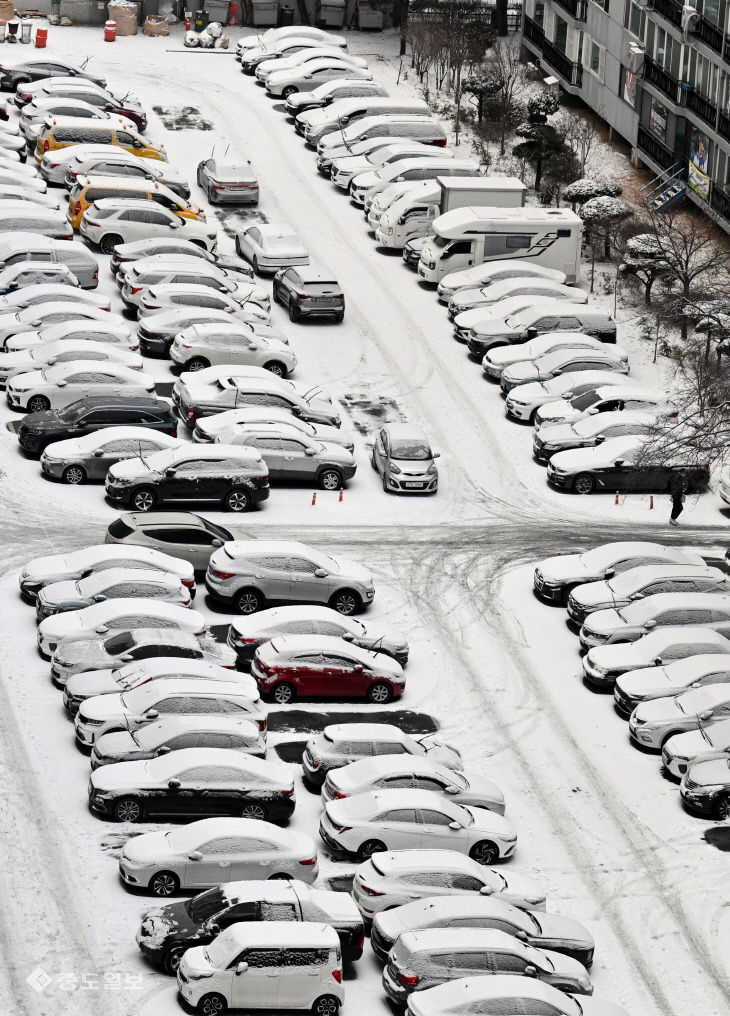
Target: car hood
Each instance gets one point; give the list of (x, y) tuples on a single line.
[(556, 928), (490, 326), (339, 907), (711, 773), (582, 458), (438, 751), (352, 570), (595, 595), (158, 923), (123, 776), (131, 469), (661, 710), (29, 379), (64, 449), (337, 453), (621, 657), (366, 180), (93, 682), (352, 164), (115, 743), (558, 433), (604, 622), (45, 421), (490, 822), (647, 681), (564, 568), (62, 592), (81, 652), (556, 412), (148, 848), (523, 372), (522, 887), (102, 707)]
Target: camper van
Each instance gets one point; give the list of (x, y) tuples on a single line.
[(413, 214), (469, 236)]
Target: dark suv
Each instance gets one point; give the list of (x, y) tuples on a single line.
[(38, 430), (308, 293)]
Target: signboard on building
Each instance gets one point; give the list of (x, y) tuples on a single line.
[(629, 87), (658, 119), (699, 164)]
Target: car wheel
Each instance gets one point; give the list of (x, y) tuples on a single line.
[(171, 959), (276, 367), (721, 808), (211, 1005), (484, 852), (370, 847), (294, 312), (290, 90), (373, 461), (238, 500), (277, 876), (327, 1005), (128, 809), (211, 198), (330, 479), (144, 499), (197, 363), (346, 602), (256, 811), (108, 242), (340, 317), (74, 474), (385, 485), (248, 601), (283, 694), (380, 693), (38, 404), (255, 264), (584, 483), (164, 883)]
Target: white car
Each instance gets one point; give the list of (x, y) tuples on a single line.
[(305, 78), (55, 387), (708, 742), (89, 560), (269, 248), (497, 360), (201, 346), (43, 315), (476, 326), (110, 584), (112, 221), (524, 401), (502, 993), (345, 169), (214, 850), (77, 460), (604, 664), (125, 164), (44, 291), (654, 722), (328, 153), (18, 192), (562, 361), (365, 186), (492, 272), (306, 56), (43, 355), (16, 277), (606, 398), (400, 819), (137, 277), (612, 625), (388, 772), (393, 878), (272, 35), (112, 333), (589, 433), (487, 296), (250, 305), (223, 426), (673, 679), (18, 176), (53, 165)]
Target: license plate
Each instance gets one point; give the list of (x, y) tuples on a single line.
[(321, 299), (410, 483)]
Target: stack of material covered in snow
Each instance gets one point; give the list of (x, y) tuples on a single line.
[(124, 12)]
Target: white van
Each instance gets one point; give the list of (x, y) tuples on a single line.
[(401, 125), (265, 965), (314, 124), (469, 236), (368, 184), (382, 201)]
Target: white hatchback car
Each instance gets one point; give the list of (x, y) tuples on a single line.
[(223, 426), (56, 387), (201, 346), (652, 723), (268, 248)]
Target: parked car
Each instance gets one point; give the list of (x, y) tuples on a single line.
[(43, 355), (604, 664), (244, 387), (403, 458), (78, 460), (34, 70), (500, 993), (21, 177), (390, 772), (171, 247), (59, 386), (705, 789), (246, 634), (292, 456), (589, 433), (346, 168), (368, 824), (223, 848), (342, 743), (308, 292), (109, 333), (183, 535), (193, 782), (269, 248), (365, 186), (322, 666), (524, 401), (486, 297), (237, 477), (229, 183), (326, 94), (199, 346), (223, 426), (25, 216), (113, 221), (613, 625), (116, 161), (91, 414), (44, 315), (272, 35), (158, 328), (608, 398), (542, 316), (46, 289), (110, 584), (673, 679), (331, 152), (395, 877), (18, 192), (493, 272), (137, 278), (542, 931), (618, 464), (166, 932), (569, 360), (284, 82), (654, 722), (250, 574), (21, 246), (682, 751), (499, 359)]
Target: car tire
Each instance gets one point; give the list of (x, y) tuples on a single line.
[(346, 602), (38, 404), (143, 499), (164, 884), (484, 852), (283, 693), (289, 90), (211, 199), (379, 693), (108, 242), (211, 1005), (327, 1005), (276, 367), (584, 484), (248, 601), (373, 463), (294, 312), (278, 876), (171, 959), (330, 479), (257, 811), (340, 317), (128, 809), (238, 500), (721, 808), (74, 475), (370, 847), (385, 485), (197, 363)]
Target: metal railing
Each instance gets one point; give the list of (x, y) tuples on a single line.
[(669, 10), (723, 125), (710, 34), (655, 149), (532, 31), (662, 79), (571, 72), (720, 201), (577, 8), (702, 107)]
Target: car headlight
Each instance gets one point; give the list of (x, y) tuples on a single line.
[(432, 468), (388, 230), (394, 468)]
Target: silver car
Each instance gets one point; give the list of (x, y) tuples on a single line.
[(228, 183), (403, 458), (89, 457), (293, 456), (179, 534), (110, 584), (223, 426)]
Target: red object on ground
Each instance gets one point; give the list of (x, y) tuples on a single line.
[(110, 31), (233, 8), (41, 38)]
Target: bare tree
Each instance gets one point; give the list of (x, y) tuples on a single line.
[(643, 259), (581, 136), (497, 87), (602, 216), (468, 36)]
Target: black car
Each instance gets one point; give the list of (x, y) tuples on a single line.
[(166, 932), (35, 70), (308, 293), (37, 430)]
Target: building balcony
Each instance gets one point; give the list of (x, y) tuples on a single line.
[(710, 34), (656, 151), (572, 73), (669, 10), (720, 202), (576, 8), (723, 125), (702, 107), (533, 32), (660, 78)]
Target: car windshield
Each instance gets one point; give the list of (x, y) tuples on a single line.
[(414, 449), (600, 558), (71, 412), (183, 840), (584, 401), (119, 643), (200, 908)]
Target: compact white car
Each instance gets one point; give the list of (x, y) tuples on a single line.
[(501, 993), (568, 360), (112, 333), (487, 296), (251, 303), (524, 401), (708, 742), (216, 850), (497, 360), (393, 878), (256, 345), (223, 426), (607, 398), (51, 292), (604, 664), (111, 221), (357, 150), (77, 460), (269, 247), (44, 315), (47, 354), (110, 584), (626, 624), (673, 679), (304, 78), (492, 272), (55, 387), (588, 433), (22, 274), (399, 819), (652, 723)]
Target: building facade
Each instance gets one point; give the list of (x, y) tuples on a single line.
[(658, 72)]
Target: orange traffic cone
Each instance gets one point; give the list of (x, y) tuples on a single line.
[(314, 497), (340, 495), (615, 502)]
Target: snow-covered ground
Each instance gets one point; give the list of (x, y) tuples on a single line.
[(598, 826)]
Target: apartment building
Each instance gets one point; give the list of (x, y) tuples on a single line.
[(658, 72)]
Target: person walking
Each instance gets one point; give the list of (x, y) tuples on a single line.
[(676, 492)]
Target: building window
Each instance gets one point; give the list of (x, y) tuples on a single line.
[(711, 11), (663, 48), (597, 56), (634, 19), (561, 34), (539, 17)]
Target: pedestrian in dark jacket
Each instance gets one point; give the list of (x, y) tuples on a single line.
[(676, 492)]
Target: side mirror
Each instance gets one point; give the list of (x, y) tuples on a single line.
[(600, 439), (347, 636), (309, 451), (242, 968), (521, 935), (164, 749), (531, 333), (170, 472), (195, 856), (451, 790), (454, 825), (658, 661), (173, 784), (320, 573), (176, 223), (610, 572), (101, 630), (530, 971), (486, 890), (151, 714), (217, 543), (707, 715), (98, 453), (214, 929), (358, 668), (61, 384), (435, 455), (650, 624), (638, 596), (126, 658), (619, 462), (99, 598), (592, 411)]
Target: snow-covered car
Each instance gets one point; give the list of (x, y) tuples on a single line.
[(607, 398), (488, 296), (112, 333), (604, 664), (44, 315), (246, 634), (392, 878), (176, 732), (214, 850), (331, 91), (137, 277), (228, 183), (272, 35), (110, 584), (268, 247), (187, 536), (504, 993), (172, 247), (612, 625), (345, 169), (307, 78), (17, 277), (238, 385), (681, 751), (492, 272), (47, 354), (132, 709), (569, 360), (277, 49), (56, 387), (652, 723), (341, 743), (556, 577), (543, 931), (192, 782), (673, 679), (111, 221), (166, 311), (223, 426), (475, 327), (120, 162), (89, 560), (386, 772), (367, 185), (52, 291), (329, 151), (19, 176), (90, 457), (256, 345), (18, 192), (524, 401), (589, 433), (293, 457), (705, 789), (309, 61), (497, 360)]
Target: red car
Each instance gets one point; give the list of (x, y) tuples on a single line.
[(316, 666)]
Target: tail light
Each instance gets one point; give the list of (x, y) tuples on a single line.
[(410, 980), (135, 289), (134, 348), (77, 207), (337, 974), (46, 145), (54, 165), (262, 725), (370, 892), (339, 795), (190, 583), (96, 274), (341, 828), (289, 793), (359, 941), (150, 389), (245, 642), (72, 175), (340, 299), (186, 345), (173, 431), (223, 574), (191, 413), (309, 861), (152, 306), (315, 762)]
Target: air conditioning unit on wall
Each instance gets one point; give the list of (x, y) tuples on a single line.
[(635, 57)]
